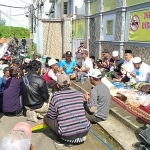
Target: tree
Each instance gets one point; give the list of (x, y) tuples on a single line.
[(2, 22)]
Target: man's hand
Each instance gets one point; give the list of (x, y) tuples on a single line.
[(87, 96), (133, 75), (93, 109), (123, 71), (112, 64), (60, 70)]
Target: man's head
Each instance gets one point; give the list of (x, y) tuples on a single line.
[(95, 76), (105, 53), (7, 72), (14, 71), (46, 62), (92, 58), (35, 66), (99, 62), (115, 55), (137, 62), (27, 61), (18, 139), (63, 80), (68, 56), (82, 43), (16, 62), (128, 55), (53, 64), (84, 54)]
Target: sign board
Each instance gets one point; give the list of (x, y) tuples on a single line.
[(140, 26)]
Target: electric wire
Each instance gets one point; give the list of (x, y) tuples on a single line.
[(10, 6)]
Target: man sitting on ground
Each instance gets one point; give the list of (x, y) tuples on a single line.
[(68, 65), (97, 104), (140, 72), (87, 65), (127, 67), (34, 93), (106, 59), (115, 65), (66, 112)]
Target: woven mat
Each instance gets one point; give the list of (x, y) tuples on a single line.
[(142, 113)]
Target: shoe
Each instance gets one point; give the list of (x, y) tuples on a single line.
[(28, 115), (59, 142)]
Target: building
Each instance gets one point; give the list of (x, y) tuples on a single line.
[(118, 25)]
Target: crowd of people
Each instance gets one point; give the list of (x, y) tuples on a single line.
[(40, 90)]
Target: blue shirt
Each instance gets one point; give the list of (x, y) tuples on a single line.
[(68, 66)]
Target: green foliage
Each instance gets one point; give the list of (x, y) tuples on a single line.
[(19, 32), (32, 50)]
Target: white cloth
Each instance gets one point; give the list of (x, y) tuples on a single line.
[(3, 49), (142, 73), (87, 64), (129, 67), (52, 75)]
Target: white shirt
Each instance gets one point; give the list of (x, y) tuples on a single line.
[(52, 75), (142, 73), (128, 65), (87, 64)]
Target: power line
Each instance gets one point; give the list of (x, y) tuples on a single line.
[(17, 2), (13, 20), (18, 14), (10, 6), (24, 2)]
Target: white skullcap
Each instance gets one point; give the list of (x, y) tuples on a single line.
[(136, 60), (27, 60), (115, 53)]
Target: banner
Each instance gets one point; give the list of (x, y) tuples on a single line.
[(140, 26)]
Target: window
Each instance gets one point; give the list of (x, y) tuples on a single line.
[(65, 7), (109, 27)]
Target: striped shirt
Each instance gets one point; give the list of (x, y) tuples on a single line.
[(64, 106)]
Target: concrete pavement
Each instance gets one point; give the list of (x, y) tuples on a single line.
[(44, 139)]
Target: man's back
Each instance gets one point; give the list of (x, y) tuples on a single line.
[(100, 97), (34, 91), (67, 107)]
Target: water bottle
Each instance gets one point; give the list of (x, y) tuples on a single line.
[(82, 79)]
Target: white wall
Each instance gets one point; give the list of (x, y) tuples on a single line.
[(57, 10), (105, 36), (80, 6), (75, 45), (46, 8), (39, 37)]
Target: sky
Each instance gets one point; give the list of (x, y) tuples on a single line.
[(8, 13)]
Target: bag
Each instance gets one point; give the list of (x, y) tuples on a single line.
[(51, 84)]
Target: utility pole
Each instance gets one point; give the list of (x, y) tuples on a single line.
[(10, 23), (0, 18)]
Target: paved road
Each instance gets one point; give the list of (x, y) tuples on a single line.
[(43, 140)]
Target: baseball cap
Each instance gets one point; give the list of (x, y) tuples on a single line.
[(52, 62), (115, 53), (18, 139), (105, 51), (84, 52), (63, 79), (68, 53), (137, 60), (95, 73)]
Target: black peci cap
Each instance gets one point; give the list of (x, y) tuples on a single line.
[(68, 53), (128, 51)]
